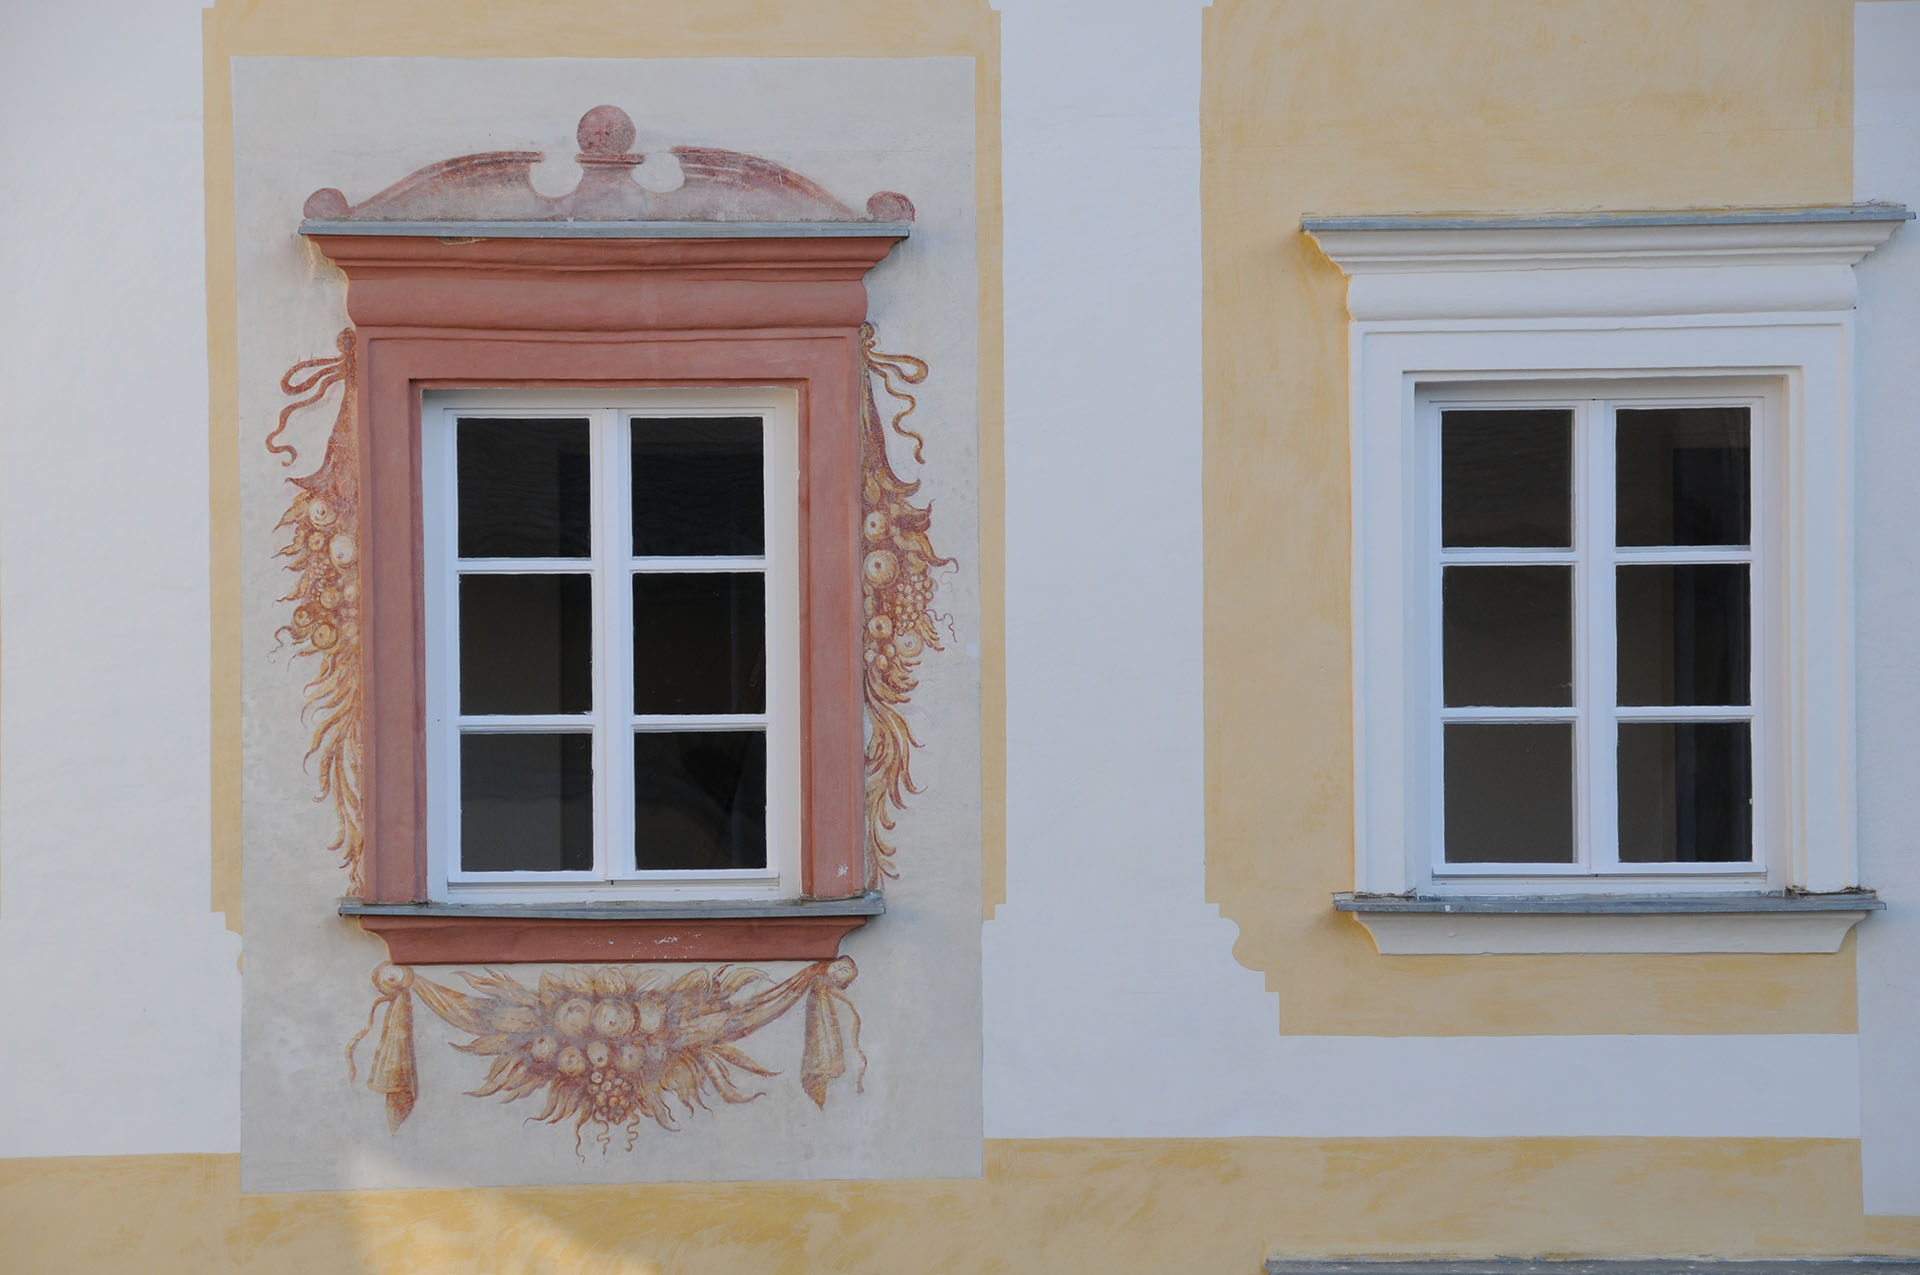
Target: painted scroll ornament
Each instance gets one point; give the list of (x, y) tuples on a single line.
[(613, 1047), (897, 584), (324, 626), (897, 587), (695, 183)]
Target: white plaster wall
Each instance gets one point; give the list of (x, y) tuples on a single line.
[(1886, 166), (119, 989), (1110, 981), (1114, 1006)]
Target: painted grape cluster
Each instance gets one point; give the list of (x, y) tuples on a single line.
[(323, 556), (897, 588), (615, 1046)]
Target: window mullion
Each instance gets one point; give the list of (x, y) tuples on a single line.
[(440, 548), (1433, 822), (616, 532), (1599, 763), (1762, 698), (597, 453)]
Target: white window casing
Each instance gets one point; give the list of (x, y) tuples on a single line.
[(1753, 304)]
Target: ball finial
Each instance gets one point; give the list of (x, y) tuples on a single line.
[(325, 204), (605, 130)]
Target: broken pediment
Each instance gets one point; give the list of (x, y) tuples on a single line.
[(712, 185)]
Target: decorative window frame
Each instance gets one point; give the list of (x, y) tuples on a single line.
[(1757, 295), (462, 277)]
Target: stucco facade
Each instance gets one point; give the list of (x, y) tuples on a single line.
[(1110, 1017)]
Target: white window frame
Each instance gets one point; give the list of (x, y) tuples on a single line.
[(1757, 297), (609, 564), (1593, 556)]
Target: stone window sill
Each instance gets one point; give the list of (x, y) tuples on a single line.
[(1432, 925), (476, 934)]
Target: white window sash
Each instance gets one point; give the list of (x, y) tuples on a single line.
[(1593, 558), (612, 721)]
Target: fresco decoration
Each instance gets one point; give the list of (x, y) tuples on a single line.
[(325, 622), (897, 586), (685, 183), (612, 1047)]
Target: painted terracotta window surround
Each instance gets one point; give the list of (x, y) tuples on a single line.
[(747, 275)]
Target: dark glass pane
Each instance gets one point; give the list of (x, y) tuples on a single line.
[(1684, 634), (1509, 792), (700, 643), (1686, 792), (697, 487), (526, 644), (1506, 479), (525, 489), (1681, 476), (699, 800), (526, 803), (1508, 636)]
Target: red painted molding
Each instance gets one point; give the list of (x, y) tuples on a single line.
[(606, 285), (603, 312), (481, 940)]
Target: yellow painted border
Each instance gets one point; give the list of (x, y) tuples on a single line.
[(1376, 106), (1106, 1207), (581, 28)]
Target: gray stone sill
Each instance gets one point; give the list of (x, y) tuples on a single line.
[(614, 229), (1610, 1266), (868, 904), (1460, 925)]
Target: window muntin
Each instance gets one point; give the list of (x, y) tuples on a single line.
[(638, 737), (1597, 604)]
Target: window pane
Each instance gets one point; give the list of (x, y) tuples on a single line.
[(699, 800), (526, 644), (525, 489), (1681, 476), (1509, 792), (1506, 479), (1683, 634), (526, 803), (697, 487), (1508, 636), (700, 643), (1686, 792)]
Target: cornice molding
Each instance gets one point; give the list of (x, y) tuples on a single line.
[(1603, 266), (598, 284), (1795, 237)]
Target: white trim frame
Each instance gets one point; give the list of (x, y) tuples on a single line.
[(1763, 301), (612, 721), (1594, 711)]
